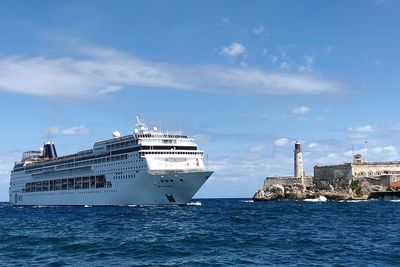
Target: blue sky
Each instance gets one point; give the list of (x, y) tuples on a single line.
[(245, 78)]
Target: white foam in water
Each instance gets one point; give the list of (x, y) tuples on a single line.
[(197, 203), (247, 201), (395, 200), (88, 206), (318, 199)]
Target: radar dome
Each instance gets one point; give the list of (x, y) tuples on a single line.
[(116, 134)]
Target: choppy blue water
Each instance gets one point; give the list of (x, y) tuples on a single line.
[(217, 233)]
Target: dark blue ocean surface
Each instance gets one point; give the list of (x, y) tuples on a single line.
[(217, 233)]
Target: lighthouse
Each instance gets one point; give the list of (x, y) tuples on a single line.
[(298, 161)]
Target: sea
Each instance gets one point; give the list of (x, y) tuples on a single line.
[(208, 232)]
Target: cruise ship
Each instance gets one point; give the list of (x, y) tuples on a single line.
[(147, 167)]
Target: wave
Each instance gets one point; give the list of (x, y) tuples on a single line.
[(318, 199), (247, 201), (197, 203), (395, 200)]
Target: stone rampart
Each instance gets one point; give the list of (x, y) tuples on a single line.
[(287, 180)]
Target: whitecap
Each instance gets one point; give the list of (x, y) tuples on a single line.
[(318, 199), (395, 200), (88, 206), (197, 203), (247, 201)]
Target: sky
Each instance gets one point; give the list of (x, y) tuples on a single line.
[(246, 79)]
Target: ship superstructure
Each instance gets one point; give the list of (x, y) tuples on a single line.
[(142, 168)]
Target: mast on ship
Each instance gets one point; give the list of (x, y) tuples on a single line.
[(141, 127)]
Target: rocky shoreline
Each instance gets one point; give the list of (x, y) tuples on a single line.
[(298, 192)]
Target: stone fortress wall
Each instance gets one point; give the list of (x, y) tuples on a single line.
[(341, 175), (337, 175), (287, 180)]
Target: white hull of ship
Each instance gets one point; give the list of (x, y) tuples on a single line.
[(145, 189)]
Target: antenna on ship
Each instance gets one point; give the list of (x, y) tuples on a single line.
[(141, 126), (48, 136)]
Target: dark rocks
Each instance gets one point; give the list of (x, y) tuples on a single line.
[(356, 191), (271, 193)]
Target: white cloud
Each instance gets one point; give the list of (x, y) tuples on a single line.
[(363, 129), (301, 110), (56, 130), (258, 30), (284, 66), (100, 70), (308, 64), (233, 50), (377, 153), (110, 89), (201, 138), (385, 151), (281, 141), (390, 148), (313, 145), (239, 175), (361, 132), (7, 159)]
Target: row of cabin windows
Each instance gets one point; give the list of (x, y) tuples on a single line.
[(82, 163), (93, 161), (161, 135), (169, 141), (170, 152), (89, 182), (122, 144)]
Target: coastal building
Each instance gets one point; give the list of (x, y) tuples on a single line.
[(386, 174)]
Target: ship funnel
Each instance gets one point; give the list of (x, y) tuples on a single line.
[(49, 150)]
